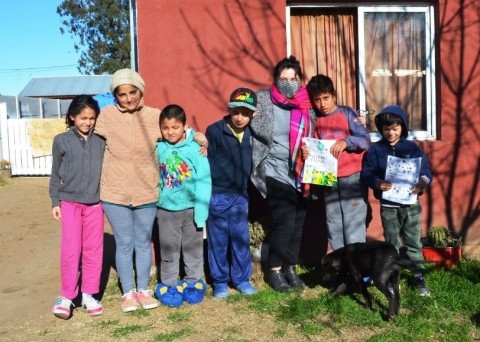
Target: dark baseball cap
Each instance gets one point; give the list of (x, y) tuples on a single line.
[(243, 97)]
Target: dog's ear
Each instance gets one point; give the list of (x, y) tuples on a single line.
[(328, 273), (331, 262), (326, 264), (336, 264), (324, 261)]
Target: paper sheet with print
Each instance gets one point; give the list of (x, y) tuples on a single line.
[(403, 174)]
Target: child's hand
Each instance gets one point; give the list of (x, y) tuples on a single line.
[(204, 148), (338, 148), (384, 185), (362, 120), (419, 186), (305, 152), (201, 139), (57, 213)]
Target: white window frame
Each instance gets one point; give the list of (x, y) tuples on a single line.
[(430, 80)]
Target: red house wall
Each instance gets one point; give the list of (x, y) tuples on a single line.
[(194, 53)]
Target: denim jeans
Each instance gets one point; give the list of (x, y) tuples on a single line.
[(132, 229), (403, 225)]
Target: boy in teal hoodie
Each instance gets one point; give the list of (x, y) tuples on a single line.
[(185, 188)]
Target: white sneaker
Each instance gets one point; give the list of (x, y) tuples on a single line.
[(93, 306), (62, 306)]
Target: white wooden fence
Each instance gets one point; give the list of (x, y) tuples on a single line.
[(17, 148)]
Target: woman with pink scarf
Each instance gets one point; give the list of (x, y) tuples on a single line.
[(283, 118)]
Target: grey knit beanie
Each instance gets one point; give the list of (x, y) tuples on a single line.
[(126, 76)]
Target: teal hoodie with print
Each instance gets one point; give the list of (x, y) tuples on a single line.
[(184, 178)]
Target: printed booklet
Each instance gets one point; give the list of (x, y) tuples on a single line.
[(321, 166)]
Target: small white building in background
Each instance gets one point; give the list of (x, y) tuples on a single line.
[(29, 121)]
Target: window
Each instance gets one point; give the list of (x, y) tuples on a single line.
[(375, 55)]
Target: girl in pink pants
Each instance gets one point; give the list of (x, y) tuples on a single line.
[(74, 190)]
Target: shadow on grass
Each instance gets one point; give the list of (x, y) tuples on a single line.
[(476, 319), (108, 262)]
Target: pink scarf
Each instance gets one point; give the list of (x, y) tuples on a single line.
[(299, 126)]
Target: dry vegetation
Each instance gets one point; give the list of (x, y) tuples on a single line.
[(29, 248)]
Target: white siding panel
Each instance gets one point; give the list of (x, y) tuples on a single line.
[(23, 162)]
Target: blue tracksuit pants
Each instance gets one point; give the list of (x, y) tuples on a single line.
[(228, 239)]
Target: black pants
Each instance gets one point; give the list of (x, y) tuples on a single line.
[(288, 209)]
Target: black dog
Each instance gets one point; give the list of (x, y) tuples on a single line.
[(378, 260)]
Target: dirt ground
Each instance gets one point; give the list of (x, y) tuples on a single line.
[(29, 254), (30, 283)]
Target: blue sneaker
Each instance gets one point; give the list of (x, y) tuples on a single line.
[(169, 295), (193, 292), (420, 285), (368, 281), (246, 288), (220, 290)]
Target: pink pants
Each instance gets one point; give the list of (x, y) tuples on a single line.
[(82, 247)]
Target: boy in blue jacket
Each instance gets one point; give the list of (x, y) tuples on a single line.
[(185, 188), (230, 157), (399, 221)]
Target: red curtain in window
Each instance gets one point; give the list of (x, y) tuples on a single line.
[(324, 42)]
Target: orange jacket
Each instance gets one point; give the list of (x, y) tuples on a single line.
[(130, 171)]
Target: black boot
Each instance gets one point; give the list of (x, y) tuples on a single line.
[(278, 282), (292, 278)]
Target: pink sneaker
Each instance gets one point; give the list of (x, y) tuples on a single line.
[(129, 301), (146, 300)]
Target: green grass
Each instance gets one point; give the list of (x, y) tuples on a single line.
[(129, 329), (280, 332), (113, 288), (173, 336), (178, 317), (139, 313), (43, 332), (452, 313), (107, 323), (232, 334)]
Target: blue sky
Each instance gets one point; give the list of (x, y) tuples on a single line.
[(31, 44)]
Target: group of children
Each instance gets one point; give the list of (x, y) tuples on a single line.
[(198, 192)]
